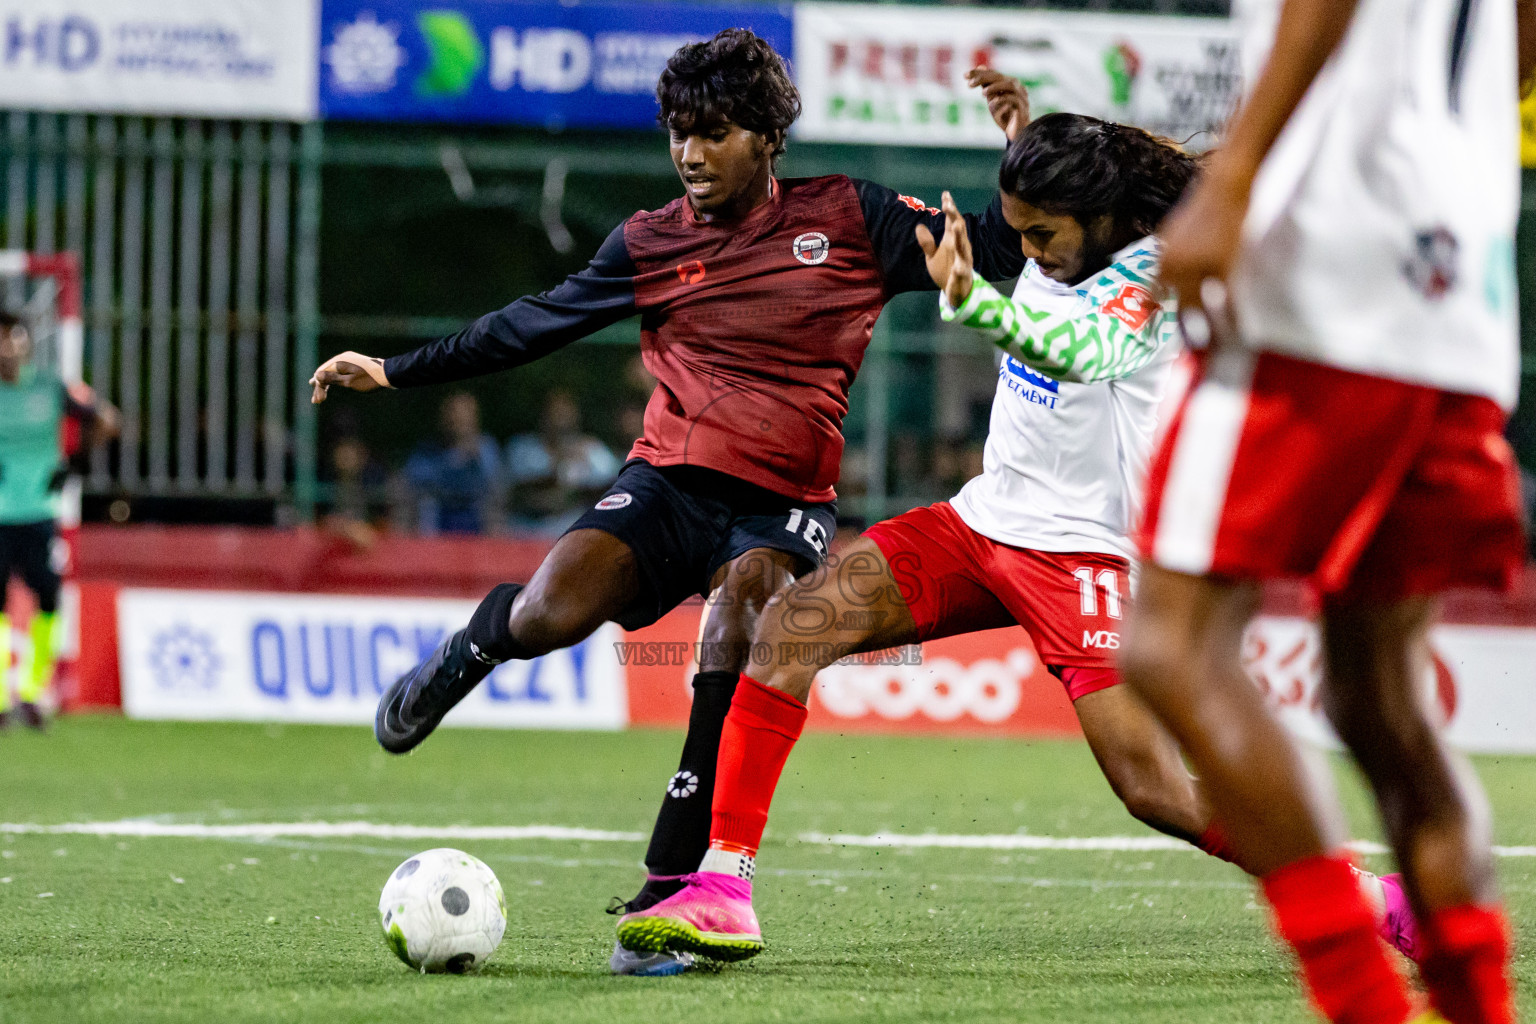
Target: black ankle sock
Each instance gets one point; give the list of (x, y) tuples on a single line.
[(682, 828), (651, 893), (489, 631)]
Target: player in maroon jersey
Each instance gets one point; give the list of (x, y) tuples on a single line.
[(757, 297)]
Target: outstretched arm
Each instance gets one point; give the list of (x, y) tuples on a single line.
[(1116, 335), (890, 218), (534, 326)]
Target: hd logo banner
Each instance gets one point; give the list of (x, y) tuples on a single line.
[(234, 58), (224, 656), (538, 63)]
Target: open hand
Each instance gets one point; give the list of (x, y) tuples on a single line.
[(351, 370), (949, 261), (1007, 100)]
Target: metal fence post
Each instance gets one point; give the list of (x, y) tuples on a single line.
[(306, 315)]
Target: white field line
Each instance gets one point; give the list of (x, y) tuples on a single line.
[(149, 829), (138, 828)]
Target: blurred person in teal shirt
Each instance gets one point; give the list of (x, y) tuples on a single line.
[(34, 406)]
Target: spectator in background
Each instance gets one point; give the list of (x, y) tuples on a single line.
[(357, 495), (558, 471), (456, 485), (640, 385), (34, 407)]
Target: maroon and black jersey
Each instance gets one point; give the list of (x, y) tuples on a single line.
[(754, 328)]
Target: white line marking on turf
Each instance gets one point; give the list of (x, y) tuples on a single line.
[(147, 829), (321, 830)]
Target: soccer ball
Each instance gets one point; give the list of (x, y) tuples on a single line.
[(443, 910)]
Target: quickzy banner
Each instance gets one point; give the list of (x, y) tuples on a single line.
[(279, 657), (896, 75), (531, 62), (234, 58)]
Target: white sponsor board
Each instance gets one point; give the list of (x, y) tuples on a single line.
[(870, 73), (1482, 679), (234, 58), (210, 655)]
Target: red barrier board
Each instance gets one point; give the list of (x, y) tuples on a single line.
[(982, 683)]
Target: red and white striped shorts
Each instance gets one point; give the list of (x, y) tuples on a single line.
[(1374, 489)]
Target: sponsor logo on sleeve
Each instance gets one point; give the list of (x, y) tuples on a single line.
[(614, 501), (917, 204), (1133, 306)]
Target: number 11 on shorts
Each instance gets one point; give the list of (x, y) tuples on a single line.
[(1108, 581)]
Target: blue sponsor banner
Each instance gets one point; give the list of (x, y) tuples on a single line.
[(529, 62), (327, 658)]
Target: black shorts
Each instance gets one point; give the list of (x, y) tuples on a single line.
[(26, 549), (684, 522)]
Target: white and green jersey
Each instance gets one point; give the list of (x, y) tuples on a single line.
[(1381, 233), (1083, 374)]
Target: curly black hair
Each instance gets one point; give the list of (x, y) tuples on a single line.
[(1086, 167), (735, 77)]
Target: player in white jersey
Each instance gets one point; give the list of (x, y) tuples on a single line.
[(1349, 256), (1038, 539)]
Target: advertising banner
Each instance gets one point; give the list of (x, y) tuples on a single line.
[(235, 58), (868, 74), (1479, 678), (993, 683), (209, 655), (987, 683), (529, 62)]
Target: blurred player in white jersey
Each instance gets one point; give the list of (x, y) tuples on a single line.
[(1349, 255)]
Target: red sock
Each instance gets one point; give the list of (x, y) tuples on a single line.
[(760, 731), (1466, 965), (1214, 842), (1320, 910)]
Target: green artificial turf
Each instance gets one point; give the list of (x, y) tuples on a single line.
[(285, 930)]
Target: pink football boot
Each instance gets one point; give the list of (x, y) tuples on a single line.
[(710, 916)]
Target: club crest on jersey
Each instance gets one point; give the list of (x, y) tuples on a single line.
[(812, 248), (1432, 267), (614, 501), (1133, 306)]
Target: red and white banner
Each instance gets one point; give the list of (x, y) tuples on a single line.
[(870, 75)]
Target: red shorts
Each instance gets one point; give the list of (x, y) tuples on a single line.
[(1375, 489), (954, 581)]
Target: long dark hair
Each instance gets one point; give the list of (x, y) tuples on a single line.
[(736, 77), (1086, 167)]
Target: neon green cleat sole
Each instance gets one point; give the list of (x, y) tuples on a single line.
[(674, 935)]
